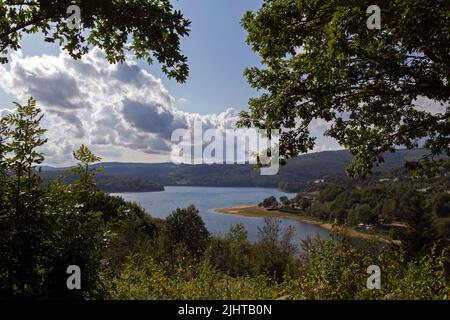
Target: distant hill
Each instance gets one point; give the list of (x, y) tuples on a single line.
[(307, 167), (107, 183)]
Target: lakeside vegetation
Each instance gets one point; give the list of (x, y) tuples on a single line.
[(106, 183), (261, 212), (124, 253), (390, 207)]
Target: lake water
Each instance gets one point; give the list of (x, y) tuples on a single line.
[(206, 199)]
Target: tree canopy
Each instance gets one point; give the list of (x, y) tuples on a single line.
[(321, 61), (152, 28)]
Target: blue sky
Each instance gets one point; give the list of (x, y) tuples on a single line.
[(125, 112), (217, 55)]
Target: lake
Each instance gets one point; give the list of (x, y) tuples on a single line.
[(206, 199)]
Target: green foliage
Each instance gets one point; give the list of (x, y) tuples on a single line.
[(153, 27), (233, 253), (410, 211), (273, 255), (362, 213), (421, 232), (185, 227), (46, 229), (304, 203), (331, 269), (22, 220), (423, 278), (143, 278), (441, 205), (85, 158), (322, 62), (114, 184), (335, 269), (269, 202), (331, 192), (274, 252), (284, 200), (25, 135), (443, 231), (77, 236), (373, 202), (105, 182)]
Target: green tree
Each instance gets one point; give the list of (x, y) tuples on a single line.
[(185, 227), (231, 254), (284, 200), (154, 29), (303, 202), (85, 158), (421, 232), (331, 192), (22, 219), (274, 251), (441, 205), (362, 213), (79, 233), (389, 209), (269, 202), (5, 217), (322, 62), (43, 231)]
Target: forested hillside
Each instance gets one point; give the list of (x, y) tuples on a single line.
[(309, 167), (105, 182)]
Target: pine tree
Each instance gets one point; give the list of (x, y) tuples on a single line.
[(421, 233)]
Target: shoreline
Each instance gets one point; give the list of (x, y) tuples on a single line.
[(258, 212)]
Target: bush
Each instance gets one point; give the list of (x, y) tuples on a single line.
[(231, 254), (335, 269), (273, 254), (143, 278)]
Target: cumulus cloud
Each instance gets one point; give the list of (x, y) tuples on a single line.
[(117, 109), (322, 142), (121, 111)]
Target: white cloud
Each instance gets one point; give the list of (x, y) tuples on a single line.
[(322, 143), (121, 111), (430, 106)]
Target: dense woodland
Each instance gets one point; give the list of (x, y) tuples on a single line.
[(124, 253), (416, 212), (107, 183)]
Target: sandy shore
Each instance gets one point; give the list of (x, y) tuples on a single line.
[(255, 211)]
